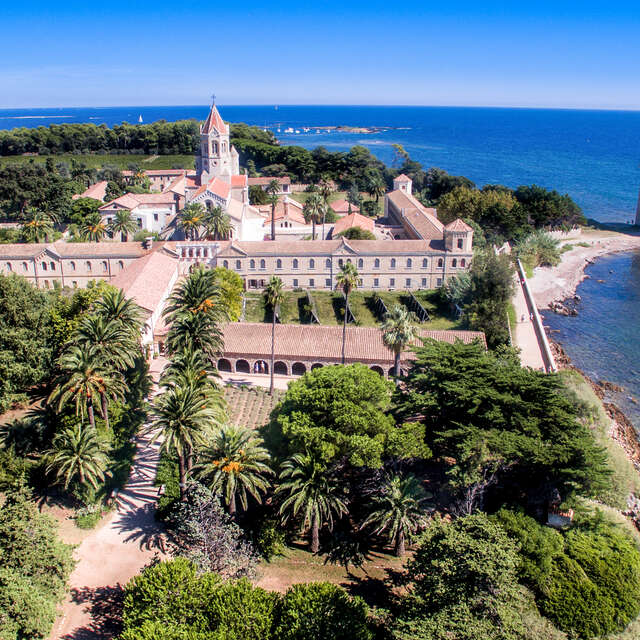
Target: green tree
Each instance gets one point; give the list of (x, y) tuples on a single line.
[(314, 211), (191, 218), (231, 291), (93, 229), (78, 454), (38, 226), (347, 280), (217, 224), (274, 296), (272, 190), (113, 305), (83, 208), (399, 510), (357, 233), (399, 330), (123, 224), (310, 495), (234, 465)]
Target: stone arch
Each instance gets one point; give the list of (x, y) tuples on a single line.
[(298, 369), (392, 370), (242, 366), (377, 369), (316, 365), (280, 368), (260, 366), (224, 365)]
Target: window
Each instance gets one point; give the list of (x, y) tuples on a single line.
[(155, 217), (105, 268), (360, 282), (463, 263), (360, 263), (238, 265), (440, 263), (252, 264), (327, 263), (424, 282), (376, 282), (340, 262), (44, 266), (393, 263), (263, 264), (295, 263), (25, 266), (409, 263), (460, 243), (225, 264), (295, 282), (46, 284), (278, 264), (120, 265), (139, 220), (407, 283), (424, 263), (454, 263), (376, 264), (439, 282), (52, 265), (72, 264), (8, 266), (312, 264), (74, 284), (87, 265), (327, 283), (392, 282), (312, 283)]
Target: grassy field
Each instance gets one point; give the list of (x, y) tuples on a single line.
[(329, 305), (97, 161), (250, 406)]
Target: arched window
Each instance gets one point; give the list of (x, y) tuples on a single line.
[(120, 265), (440, 263), (376, 263), (327, 263), (424, 263), (312, 264), (25, 266), (238, 264), (75, 284), (105, 268), (360, 263), (263, 264), (295, 263), (393, 263), (409, 263), (87, 265), (463, 263), (340, 262), (225, 264), (278, 264), (44, 266), (454, 263), (52, 264), (252, 264), (46, 284), (72, 264), (8, 266)]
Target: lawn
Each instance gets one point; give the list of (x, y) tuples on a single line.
[(329, 305), (122, 160), (250, 406)]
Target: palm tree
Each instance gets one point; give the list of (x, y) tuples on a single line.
[(347, 280), (399, 511), (115, 306), (376, 188), (38, 226), (77, 453), (314, 211), (234, 465), (398, 330), (310, 493), (189, 366), (273, 189), (182, 417), (191, 219), (124, 224), (273, 296), (83, 379), (217, 224), (93, 229)]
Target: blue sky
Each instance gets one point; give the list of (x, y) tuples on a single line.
[(539, 54)]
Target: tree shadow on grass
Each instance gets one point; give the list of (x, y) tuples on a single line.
[(105, 607), (374, 591)]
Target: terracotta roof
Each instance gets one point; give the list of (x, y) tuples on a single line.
[(364, 344), (217, 186), (353, 220), (458, 225), (402, 178), (97, 191), (146, 280), (177, 185), (132, 200), (18, 251), (214, 122), (285, 208), (421, 219), (342, 207), (99, 249), (239, 181), (263, 182)]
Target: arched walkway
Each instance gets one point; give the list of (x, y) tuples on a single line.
[(242, 366), (316, 365), (280, 368), (377, 369), (260, 366), (224, 365), (298, 369)]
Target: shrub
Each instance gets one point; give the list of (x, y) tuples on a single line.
[(88, 517), (271, 539)]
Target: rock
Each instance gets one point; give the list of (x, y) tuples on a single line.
[(577, 298), (601, 281)]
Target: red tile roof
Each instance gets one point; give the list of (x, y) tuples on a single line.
[(458, 225), (214, 122), (342, 207), (132, 200), (239, 181), (402, 178), (353, 220), (97, 191), (263, 182), (217, 186)]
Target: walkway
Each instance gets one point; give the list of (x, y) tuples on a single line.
[(524, 333), (110, 556)]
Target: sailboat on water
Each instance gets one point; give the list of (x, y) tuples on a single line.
[(140, 119)]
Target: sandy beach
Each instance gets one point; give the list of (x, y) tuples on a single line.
[(558, 283)]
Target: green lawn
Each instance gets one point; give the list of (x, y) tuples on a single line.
[(97, 161), (329, 305)]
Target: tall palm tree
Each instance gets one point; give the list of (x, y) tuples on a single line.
[(83, 380), (189, 366), (273, 297), (399, 510), (124, 224), (273, 189), (191, 219), (217, 224), (38, 226), (93, 229), (310, 493), (398, 330), (183, 416), (77, 453), (234, 465), (314, 212), (376, 188), (347, 280), (113, 305)]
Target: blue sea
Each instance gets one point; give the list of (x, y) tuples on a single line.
[(591, 155)]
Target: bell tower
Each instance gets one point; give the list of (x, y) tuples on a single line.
[(215, 157)]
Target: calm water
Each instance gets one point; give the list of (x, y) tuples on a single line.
[(602, 339), (592, 155)]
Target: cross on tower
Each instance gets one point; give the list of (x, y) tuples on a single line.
[(213, 98)]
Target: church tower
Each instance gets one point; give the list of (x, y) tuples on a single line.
[(215, 157)]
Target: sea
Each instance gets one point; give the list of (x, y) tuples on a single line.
[(593, 156)]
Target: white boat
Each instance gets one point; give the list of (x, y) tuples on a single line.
[(306, 129), (278, 130), (317, 130), (288, 130), (140, 118), (297, 130)]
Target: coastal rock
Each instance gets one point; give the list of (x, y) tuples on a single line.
[(577, 298), (601, 281)]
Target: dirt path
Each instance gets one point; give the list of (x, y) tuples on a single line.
[(110, 556), (524, 333)]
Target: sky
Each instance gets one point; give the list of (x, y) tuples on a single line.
[(535, 53)]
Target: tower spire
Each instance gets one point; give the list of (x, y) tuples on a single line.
[(213, 99)]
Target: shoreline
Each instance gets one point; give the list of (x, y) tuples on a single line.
[(557, 284)]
